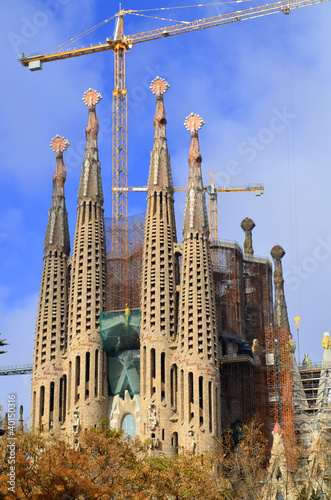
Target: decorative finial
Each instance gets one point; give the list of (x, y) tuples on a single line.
[(326, 341), (193, 123), (277, 252), (247, 225), (159, 86), (277, 429), (91, 97), (59, 144)]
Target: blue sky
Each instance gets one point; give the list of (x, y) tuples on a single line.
[(262, 88)]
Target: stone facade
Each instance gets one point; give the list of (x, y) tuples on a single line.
[(69, 387), (202, 327)]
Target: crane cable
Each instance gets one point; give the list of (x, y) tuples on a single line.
[(63, 45), (81, 35), (190, 6), (292, 171)]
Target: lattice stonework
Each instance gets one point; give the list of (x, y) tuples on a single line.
[(50, 340), (87, 382)]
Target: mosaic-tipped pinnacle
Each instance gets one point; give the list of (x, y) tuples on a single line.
[(91, 96), (59, 143), (193, 122), (159, 86)]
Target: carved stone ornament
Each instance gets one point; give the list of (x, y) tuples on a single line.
[(152, 420), (75, 423)]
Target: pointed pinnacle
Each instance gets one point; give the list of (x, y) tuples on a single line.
[(158, 87)]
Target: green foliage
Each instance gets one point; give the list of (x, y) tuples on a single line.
[(304, 495), (2, 344)]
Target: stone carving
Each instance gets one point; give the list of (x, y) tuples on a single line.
[(152, 420), (326, 341), (306, 361), (247, 225), (191, 442), (75, 423)]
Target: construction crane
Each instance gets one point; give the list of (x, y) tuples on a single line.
[(120, 44), (212, 189)]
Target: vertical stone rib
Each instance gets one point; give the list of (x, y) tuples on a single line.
[(50, 339), (280, 308), (88, 286), (159, 280), (197, 328)]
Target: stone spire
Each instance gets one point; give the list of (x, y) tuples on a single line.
[(247, 225), (318, 463), (195, 216), (57, 232), (160, 177), (280, 308), (90, 187), (48, 398), (87, 384), (160, 277), (20, 420), (279, 480), (197, 327)]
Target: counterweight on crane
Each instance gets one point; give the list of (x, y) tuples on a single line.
[(119, 44)]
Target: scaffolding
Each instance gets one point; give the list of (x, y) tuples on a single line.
[(279, 361), (243, 294), (229, 286), (124, 266), (316, 390), (244, 308)]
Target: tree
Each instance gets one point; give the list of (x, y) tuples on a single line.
[(244, 465), (2, 344), (107, 466)]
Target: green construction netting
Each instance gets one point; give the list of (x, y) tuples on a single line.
[(120, 330), (124, 373), (120, 336)]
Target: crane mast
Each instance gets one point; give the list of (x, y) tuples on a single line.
[(119, 149), (119, 45)]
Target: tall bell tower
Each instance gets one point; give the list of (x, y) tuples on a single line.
[(199, 385), (48, 408), (158, 374), (87, 394)]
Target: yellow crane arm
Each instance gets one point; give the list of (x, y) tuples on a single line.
[(185, 27), (226, 189), (26, 60), (210, 22)]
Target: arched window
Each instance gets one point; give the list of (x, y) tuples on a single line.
[(129, 425)]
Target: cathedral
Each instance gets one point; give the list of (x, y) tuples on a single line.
[(187, 360)]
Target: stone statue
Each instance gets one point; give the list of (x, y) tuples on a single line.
[(191, 442), (306, 361), (256, 348), (75, 423), (152, 420), (326, 341)]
